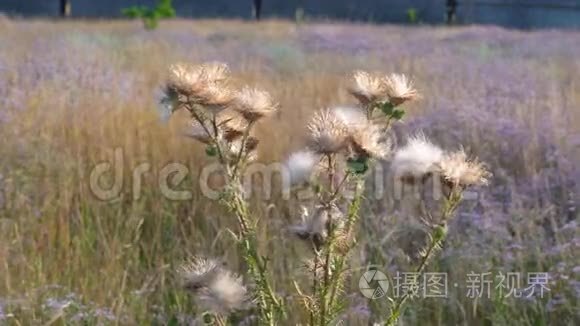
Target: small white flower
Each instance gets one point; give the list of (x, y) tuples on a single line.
[(417, 158)]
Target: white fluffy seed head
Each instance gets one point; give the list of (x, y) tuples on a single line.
[(215, 288), (328, 134), (254, 104), (226, 293), (417, 158), (400, 89), (300, 166), (458, 169), (366, 87), (351, 117), (198, 273)]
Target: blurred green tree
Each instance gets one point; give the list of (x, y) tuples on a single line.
[(151, 17)]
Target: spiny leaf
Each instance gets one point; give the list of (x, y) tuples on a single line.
[(358, 165)]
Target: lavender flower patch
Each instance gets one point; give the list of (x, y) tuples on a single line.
[(71, 66)]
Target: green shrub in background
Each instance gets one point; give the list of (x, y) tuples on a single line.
[(150, 17), (412, 16)]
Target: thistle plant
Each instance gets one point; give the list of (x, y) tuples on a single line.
[(454, 172), (343, 144), (223, 120)]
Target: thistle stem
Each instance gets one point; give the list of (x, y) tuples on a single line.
[(437, 238), (270, 305), (353, 210)]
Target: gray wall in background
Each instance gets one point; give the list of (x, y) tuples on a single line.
[(509, 13)]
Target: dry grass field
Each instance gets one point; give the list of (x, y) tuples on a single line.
[(74, 93)]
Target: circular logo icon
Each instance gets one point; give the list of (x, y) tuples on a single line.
[(373, 284)]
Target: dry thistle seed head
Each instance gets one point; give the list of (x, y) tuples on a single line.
[(225, 294), (400, 89), (215, 71), (418, 158), (254, 104), (457, 169), (214, 97), (198, 273), (328, 134), (367, 88), (185, 79), (366, 141), (203, 85), (216, 289), (301, 165)]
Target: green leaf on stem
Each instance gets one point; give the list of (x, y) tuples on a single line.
[(397, 114), (440, 232), (211, 150), (387, 108), (358, 165)]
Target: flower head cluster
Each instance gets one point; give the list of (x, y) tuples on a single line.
[(215, 288), (342, 142), (203, 85), (420, 158), (332, 131), (221, 117), (372, 88)]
